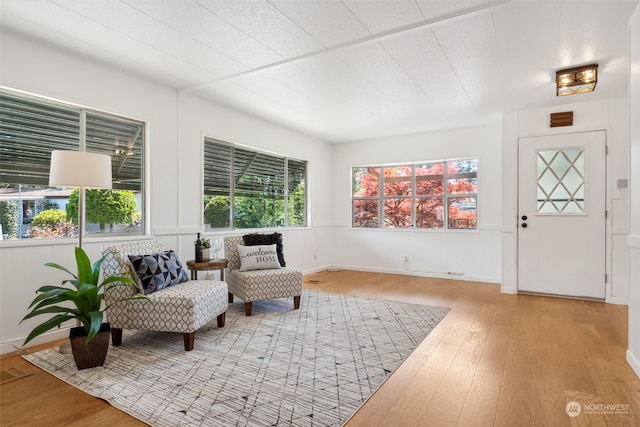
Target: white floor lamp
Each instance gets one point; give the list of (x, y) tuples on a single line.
[(82, 170)]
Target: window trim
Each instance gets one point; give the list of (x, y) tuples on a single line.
[(232, 190), (145, 198), (445, 196)]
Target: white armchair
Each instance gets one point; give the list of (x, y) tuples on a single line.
[(182, 307), (259, 285)]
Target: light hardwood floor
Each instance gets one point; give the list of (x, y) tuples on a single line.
[(494, 360)]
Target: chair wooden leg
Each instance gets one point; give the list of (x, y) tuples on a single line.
[(230, 297), (116, 336), (248, 307), (221, 319), (189, 339), (296, 302)]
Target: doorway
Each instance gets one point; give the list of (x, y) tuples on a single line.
[(562, 215)]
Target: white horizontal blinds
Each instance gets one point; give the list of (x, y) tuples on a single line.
[(258, 175), (217, 168), (123, 140), (29, 130)]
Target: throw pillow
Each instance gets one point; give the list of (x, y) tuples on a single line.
[(258, 257), (158, 271), (266, 239)]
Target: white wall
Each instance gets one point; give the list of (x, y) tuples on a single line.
[(175, 126), (633, 352), (611, 116), (305, 248), (476, 254)]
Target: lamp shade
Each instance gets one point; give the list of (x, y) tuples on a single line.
[(80, 169)]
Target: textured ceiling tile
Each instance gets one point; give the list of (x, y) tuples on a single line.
[(330, 22), (361, 94), (466, 66), (437, 9), (419, 54), (138, 26), (377, 67), (204, 27), (261, 21), (527, 34), (103, 43), (589, 30), (384, 15), (472, 49)]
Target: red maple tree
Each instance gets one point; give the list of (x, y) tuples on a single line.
[(429, 195)]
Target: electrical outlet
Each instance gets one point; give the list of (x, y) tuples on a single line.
[(406, 258)]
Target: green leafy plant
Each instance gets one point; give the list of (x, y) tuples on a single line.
[(50, 218), (86, 296), (104, 207), (206, 243)]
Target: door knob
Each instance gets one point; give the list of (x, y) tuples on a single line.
[(524, 217), (524, 225)]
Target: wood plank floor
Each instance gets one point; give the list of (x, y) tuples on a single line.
[(494, 360)]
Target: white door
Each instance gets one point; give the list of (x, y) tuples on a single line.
[(562, 215)]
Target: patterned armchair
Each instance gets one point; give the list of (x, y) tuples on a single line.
[(258, 285), (182, 307)]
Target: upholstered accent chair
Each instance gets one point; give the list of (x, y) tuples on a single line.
[(259, 285), (183, 307)]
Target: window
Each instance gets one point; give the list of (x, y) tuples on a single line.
[(30, 128), (430, 195), (244, 188)]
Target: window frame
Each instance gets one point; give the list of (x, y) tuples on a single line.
[(84, 140), (233, 186), (445, 196)]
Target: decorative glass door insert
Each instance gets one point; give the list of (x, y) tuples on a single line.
[(561, 181)]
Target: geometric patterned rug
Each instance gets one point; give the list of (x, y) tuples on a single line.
[(280, 367)]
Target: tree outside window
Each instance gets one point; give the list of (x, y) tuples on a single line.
[(244, 188), (432, 195)]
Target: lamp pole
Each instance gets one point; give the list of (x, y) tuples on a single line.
[(82, 170)]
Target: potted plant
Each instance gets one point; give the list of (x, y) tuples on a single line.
[(206, 249), (89, 342)]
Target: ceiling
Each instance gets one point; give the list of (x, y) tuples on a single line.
[(352, 69)]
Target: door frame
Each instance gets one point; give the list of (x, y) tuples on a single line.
[(607, 204), (511, 133)]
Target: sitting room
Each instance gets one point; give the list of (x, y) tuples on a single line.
[(357, 212)]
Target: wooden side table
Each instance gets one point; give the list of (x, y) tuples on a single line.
[(214, 264)]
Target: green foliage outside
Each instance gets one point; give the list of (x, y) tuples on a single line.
[(255, 212), (216, 211), (49, 218), (52, 223), (104, 207), (258, 213), (296, 207), (9, 218)]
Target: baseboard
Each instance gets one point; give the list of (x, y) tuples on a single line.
[(418, 273), (508, 290), (634, 362), (16, 345), (618, 300), (313, 270)]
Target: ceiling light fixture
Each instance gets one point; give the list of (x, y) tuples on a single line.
[(576, 80)]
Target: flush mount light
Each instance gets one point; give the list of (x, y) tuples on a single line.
[(576, 80)]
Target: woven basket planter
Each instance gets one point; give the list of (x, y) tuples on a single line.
[(93, 353)]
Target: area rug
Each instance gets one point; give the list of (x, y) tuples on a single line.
[(280, 367)]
